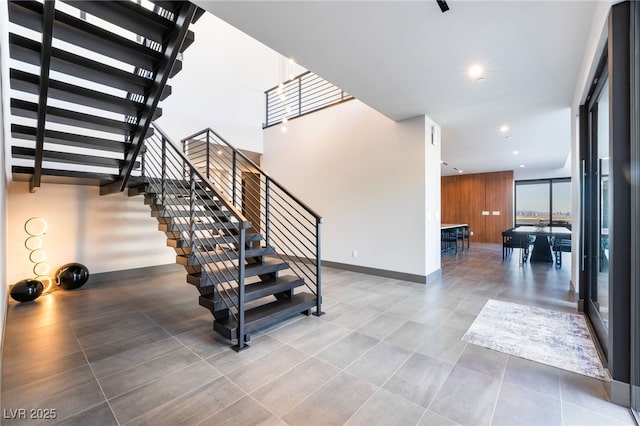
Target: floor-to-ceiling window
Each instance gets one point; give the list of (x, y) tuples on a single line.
[(635, 215), (543, 202)]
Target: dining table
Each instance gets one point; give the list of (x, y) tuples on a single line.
[(542, 245)]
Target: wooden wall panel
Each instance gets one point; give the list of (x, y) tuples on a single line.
[(465, 197)]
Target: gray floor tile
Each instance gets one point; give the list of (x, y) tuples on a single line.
[(432, 419), (444, 344), (333, 404), (381, 326), (135, 403), (350, 316), (483, 360), (301, 326), (347, 349), (575, 415), (22, 373), (589, 393), (194, 406), (419, 379), (386, 408), (467, 397), (251, 376), (410, 335), (379, 363), (524, 407), (533, 375), (283, 393), (244, 412), (229, 360), (320, 338), (100, 415), (141, 374), (133, 343), (204, 341)]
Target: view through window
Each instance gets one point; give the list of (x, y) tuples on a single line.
[(543, 202)]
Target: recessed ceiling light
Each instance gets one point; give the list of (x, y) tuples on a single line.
[(476, 72), (460, 171), (521, 165), (504, 129), (284, 129), (516, 152)]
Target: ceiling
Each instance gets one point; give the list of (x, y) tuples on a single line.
[(407, 58)]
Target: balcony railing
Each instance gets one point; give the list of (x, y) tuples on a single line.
[(301, 95)]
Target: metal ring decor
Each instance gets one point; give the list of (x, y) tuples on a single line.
[(36, 228)]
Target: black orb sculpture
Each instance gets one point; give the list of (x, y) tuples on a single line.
[(71, 276), (27, 290)]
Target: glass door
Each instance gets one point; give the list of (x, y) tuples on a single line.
[(597, 304)]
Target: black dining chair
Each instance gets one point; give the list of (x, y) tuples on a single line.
[(515, 240), (561, 245)]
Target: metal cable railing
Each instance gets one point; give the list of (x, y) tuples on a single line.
[(301, 95), (286, 223), (209, 228)]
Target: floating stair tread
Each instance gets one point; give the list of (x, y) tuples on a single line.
[(69, 139), (82, 33), (30, 83), (255, 291), (24, 174), (66, 157), (26, 50), (226, 274), (220, 255), (27, 109), (130, 16), (265, 315)]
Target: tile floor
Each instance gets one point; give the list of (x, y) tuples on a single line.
[(141, 351)]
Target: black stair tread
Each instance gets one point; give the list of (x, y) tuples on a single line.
[(173, 6), (66, 157), (184, 227), (29, 83), (252, 292), (22, 173), (82, 33), (130, 16), (265, 315), (226, 274), (27, 109), (70, 139), (220, 254), (26, 50)]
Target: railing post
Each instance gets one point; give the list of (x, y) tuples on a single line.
[(233, 179), (208, 157), (266, 108), (300, 96), (164, 169), (267, 210), (184, 164), (192, 211), (241, 255), (318, 311)]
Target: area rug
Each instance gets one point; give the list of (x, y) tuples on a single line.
[(559, 339)]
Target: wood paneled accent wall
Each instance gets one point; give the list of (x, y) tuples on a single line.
[(466, 197)]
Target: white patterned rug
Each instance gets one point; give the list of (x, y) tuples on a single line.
[(559, 339)]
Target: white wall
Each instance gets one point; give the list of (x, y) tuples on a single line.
[(432, 185), (105, 233), (225, 73), (365, 174)]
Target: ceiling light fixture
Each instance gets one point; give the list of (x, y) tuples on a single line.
[(476, 72), (443, 5), (521, 165), (504, 129), (460, 171), (516, 152)]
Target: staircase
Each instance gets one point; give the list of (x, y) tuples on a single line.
[(87, 77), (86, 80), (250, 274)]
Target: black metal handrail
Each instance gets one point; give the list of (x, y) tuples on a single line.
[(303, 94), (288, 225), (198, 213)]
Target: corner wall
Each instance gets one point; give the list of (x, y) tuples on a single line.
[(105, 233), (365, 174)]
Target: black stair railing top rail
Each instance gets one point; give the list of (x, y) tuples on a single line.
[(288, 225), (306, 93), (210, 230)]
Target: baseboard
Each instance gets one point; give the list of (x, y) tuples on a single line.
[(403, 276), (133, 273), (620, 393), (434, 276)]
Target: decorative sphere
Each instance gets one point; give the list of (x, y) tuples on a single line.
[(71, 276), (26, 290)]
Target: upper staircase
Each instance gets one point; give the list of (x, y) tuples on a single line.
[(87, 77)]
